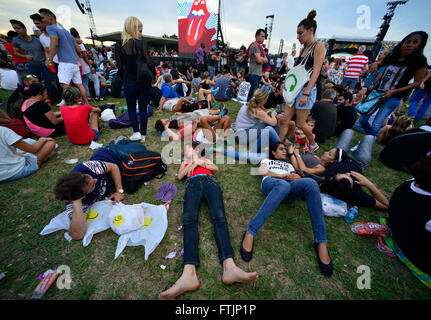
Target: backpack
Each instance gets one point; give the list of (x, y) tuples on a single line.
[(123, 121), (296, 78), (139, 167)]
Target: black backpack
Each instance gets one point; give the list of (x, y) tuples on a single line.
[(139, 167)]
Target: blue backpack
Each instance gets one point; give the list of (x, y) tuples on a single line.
[(123, 121)]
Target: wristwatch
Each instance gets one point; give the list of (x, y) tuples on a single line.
[(120, 191)]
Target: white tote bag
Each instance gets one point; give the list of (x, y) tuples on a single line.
[(296, 78)]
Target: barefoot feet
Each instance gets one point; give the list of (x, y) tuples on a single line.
[(187, 282), (232, 274)]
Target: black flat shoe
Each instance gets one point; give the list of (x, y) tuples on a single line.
[(245, 255), (327, 269)]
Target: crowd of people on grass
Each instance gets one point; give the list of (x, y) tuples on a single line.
[(282, 138)]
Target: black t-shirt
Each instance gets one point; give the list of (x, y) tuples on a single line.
[(325, 114), (36, 115), (409, 212), (273, 101), (356, 196), (341, 167), (346, 116), (398, 74)]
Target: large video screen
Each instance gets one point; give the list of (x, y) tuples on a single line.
[(197, 23)]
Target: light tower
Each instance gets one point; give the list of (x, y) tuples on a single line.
[(87, 10), (268, 30), (385, 26)]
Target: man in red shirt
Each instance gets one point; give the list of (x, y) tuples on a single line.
[(354, 68), (19, 62)]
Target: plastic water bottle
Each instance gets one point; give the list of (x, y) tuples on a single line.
[(351, 215)]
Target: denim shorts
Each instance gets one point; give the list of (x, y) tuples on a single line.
[(30, 167), (310, 101)]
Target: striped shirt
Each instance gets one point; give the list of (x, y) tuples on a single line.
[(355, 65)]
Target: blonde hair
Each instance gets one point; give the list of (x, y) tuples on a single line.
[(399, 126), (131, 29), (259, 96)]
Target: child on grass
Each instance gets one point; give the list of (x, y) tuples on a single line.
[(82, 122)]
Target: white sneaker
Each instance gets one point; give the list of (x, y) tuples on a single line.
[(143, 138), (136, 136), (62, 103)]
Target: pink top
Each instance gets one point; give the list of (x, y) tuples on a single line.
[(39, 131)]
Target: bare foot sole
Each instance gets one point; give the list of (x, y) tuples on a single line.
[(183, 285), (235, 274)]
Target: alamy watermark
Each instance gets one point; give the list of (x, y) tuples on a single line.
[(364, 280), (363, 22)]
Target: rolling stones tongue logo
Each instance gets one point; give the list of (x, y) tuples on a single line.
[(197, 19)]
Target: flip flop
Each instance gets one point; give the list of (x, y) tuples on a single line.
[(369, 228), (162, 190), (170, 193)]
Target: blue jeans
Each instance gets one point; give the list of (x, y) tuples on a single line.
[(364, 154), (278, 190), (211, 71), (419, 94), (384, 111), (42, 71), (254, 82), (197, 189), (351, 82), (245, 156), (135, 92), (96, 82), (259, 133)]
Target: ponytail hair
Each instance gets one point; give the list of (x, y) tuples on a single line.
[(309, 22), (259, 96)]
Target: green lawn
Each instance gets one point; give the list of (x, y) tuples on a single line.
[(284, 257)]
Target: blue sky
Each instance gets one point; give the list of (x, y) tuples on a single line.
[(240, 18)]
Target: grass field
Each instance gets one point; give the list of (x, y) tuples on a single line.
[(284, 257)]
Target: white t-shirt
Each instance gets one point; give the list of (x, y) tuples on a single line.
[(290, 62), (277, 166), (46, 43), (9, 79), (85, 67), (10, 163)]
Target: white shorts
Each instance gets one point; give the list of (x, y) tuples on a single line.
[(170, 104), (69, 72)]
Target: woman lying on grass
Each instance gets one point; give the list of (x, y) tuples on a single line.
[(201, 184), (282, 184)]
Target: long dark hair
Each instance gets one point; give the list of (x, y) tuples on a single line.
[(396, 53), (273, 148)]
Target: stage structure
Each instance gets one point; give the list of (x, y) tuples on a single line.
[(198, 21), (87, 10)]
